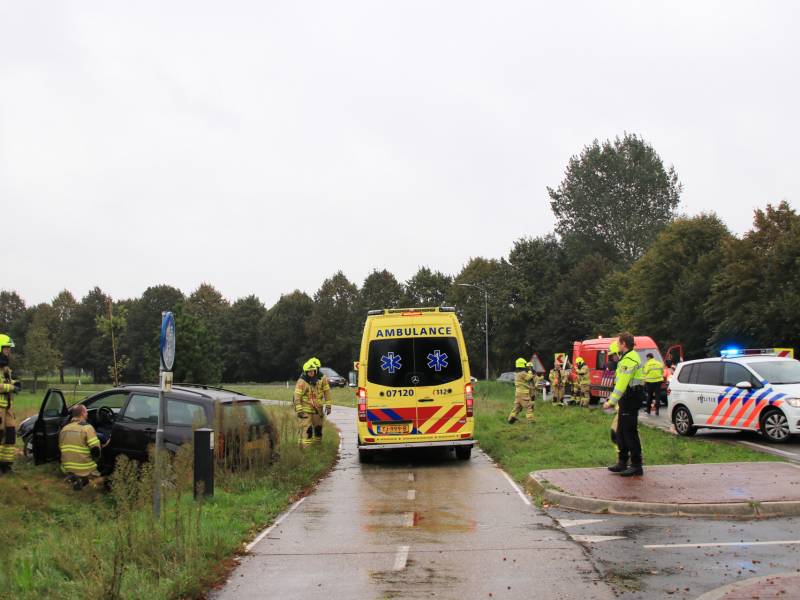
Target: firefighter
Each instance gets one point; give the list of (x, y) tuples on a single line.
[(8, 387), (628, 393), (653, 377), (534, 383), (523, 390), (558, 381), (582, 381), (312, 401), (80, 449)]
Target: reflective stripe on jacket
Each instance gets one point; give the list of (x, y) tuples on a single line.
[(76, 441)]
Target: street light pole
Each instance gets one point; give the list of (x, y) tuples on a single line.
[(485, 319)]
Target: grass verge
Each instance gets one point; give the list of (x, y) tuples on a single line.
[(569, 437), (340, 396), (91, 544)]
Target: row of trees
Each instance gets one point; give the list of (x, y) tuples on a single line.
[(620, 259)]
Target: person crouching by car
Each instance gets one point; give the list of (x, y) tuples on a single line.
[(80, 449)]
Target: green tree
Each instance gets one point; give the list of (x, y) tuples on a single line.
[(40, 357), (616, 193), (64, 305), (282, 336), (198, 356), (427, 288), (144, 329), (754, 297), (381, 290), (112, 327), (208, 304), (333, 329), (84, 346), (12, 308), (669, 283), (240, 344)]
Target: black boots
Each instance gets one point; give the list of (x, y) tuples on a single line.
[(632, 471), (618, 468)]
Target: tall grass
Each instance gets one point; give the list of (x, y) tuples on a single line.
[(91, 544)]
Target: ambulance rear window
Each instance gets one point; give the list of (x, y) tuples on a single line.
[(414, 362)]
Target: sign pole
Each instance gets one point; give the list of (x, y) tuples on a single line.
[(167, 358)]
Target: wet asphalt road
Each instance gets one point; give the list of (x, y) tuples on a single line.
[(682, 558), (415, 525)]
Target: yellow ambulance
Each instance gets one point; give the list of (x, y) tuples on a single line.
[(414, 386)]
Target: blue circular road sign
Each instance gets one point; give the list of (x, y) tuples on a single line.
[(167, 341)]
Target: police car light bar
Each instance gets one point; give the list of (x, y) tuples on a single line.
[(732, 351)]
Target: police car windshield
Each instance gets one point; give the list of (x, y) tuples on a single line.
[(777, 372), (414, 362)]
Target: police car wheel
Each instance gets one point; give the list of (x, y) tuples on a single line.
[(682, 419), (775, 426)]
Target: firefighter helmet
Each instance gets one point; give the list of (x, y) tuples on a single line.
[(579, 360), (6, 341), (521, 363), (310, 365)]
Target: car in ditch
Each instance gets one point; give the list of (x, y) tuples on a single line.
[(126, 418)]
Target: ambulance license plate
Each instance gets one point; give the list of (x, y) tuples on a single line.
[(400, 429)]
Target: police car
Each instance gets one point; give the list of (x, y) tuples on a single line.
[(754, 390)]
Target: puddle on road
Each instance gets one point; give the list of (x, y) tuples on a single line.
[(384, 518)]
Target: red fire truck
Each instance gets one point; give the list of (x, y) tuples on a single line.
[(595, 353)]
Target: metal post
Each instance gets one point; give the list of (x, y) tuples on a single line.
[(204, 462), (159, 447), (486, 325)]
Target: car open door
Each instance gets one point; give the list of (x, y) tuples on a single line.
[(52, 414)]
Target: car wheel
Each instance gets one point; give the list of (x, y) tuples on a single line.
[(463, 452), (682, 419), (364, 456), (775, 426), (27, 446)]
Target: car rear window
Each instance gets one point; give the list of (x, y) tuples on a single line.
[(707, 373), (251, 413), (414, 362)]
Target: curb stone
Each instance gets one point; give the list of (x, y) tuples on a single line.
[(539, 485), (720, 592)]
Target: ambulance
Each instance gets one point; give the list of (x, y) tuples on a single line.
[(414, 387)]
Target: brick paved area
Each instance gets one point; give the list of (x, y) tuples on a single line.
[(685, 484)]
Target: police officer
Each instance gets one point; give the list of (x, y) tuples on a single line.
[(8, 386), (582, 381), (653, 377), (312, 401), (523, 386), (80, 448), (628, 392)]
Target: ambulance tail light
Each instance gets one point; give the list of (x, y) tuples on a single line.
[(468, 399), (361, 396)]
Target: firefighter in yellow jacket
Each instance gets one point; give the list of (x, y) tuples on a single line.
[(523, 384), (558, 380), (8, 386), (312, 401), (80, 448), (582, 381)]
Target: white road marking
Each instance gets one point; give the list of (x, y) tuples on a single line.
[(401, 558), (718, 544), (575, 522), (411, 495), (277, 522), (408, 519), (595, 539), (770, 449), (411, 477), (517, 489)]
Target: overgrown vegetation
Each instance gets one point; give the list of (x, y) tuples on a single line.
[(567, 437), (92, 544)]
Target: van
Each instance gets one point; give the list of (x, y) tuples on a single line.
[(414, 387)]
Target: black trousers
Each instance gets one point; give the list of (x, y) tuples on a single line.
[(653, 394), (628, 426)]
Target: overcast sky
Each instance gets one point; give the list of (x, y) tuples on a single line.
[(262, 146)]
